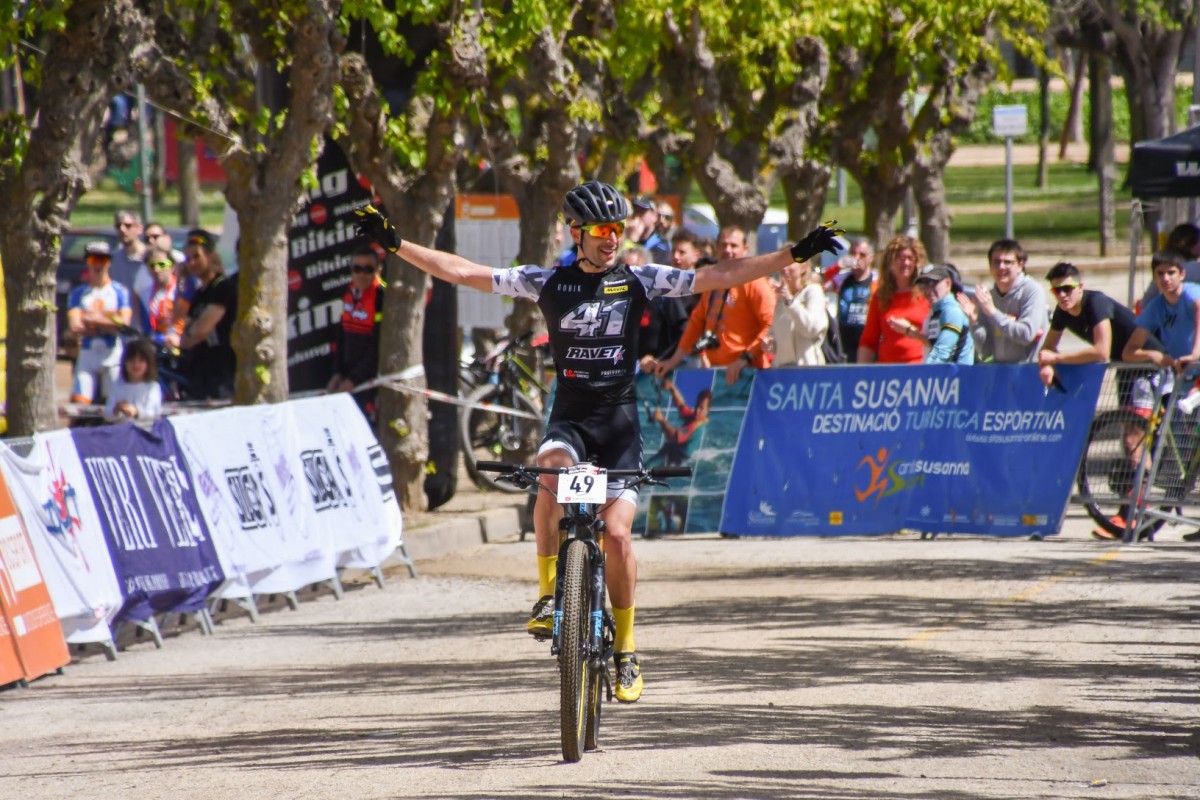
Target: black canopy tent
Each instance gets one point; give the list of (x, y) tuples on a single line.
[(1167, 167)]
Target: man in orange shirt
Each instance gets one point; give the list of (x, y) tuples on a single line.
[(727, 328)]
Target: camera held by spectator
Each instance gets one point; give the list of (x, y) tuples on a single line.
[(707, 341)]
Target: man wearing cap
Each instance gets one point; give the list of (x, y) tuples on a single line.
[(951, 329), (210, 364), (645, 211), (95, 311)]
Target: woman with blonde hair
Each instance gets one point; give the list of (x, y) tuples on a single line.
[(897, 311), (801, 320)]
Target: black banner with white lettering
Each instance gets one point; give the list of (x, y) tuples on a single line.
[(320, 242)]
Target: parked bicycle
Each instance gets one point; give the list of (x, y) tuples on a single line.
[(1157, 454), (510, 379), (583, 626)]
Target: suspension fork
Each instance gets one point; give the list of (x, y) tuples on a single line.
[(580, 517)]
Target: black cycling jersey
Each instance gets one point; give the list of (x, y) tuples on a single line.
[(594, 320)]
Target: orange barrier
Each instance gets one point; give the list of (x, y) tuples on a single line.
[(31, 639)]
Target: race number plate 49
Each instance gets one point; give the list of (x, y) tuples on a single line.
[(583, 483)]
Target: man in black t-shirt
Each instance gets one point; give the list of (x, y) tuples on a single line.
[(1106, 325), (209, 363)]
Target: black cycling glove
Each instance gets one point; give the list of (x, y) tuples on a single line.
[(822, 239), (375, 225)]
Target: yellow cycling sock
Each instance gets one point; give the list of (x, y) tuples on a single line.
[(623, 617), (547, 574)]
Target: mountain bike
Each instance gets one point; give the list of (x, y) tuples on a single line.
[(583, 626), (507, 380), (1156, 454)]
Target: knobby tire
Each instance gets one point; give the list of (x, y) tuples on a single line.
[(489, 436), (1104, 470), (574, 673)]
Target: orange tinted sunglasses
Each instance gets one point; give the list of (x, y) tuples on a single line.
[(603, 230), (95, 259)]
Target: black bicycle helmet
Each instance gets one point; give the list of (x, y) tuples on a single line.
[(594, 202)]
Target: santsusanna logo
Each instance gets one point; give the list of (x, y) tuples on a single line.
[(883, 479)]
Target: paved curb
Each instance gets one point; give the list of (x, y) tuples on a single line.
[(462, 531)]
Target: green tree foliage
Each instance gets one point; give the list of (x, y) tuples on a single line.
[(906, 76)]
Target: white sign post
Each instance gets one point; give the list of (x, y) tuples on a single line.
[(1009, 121)]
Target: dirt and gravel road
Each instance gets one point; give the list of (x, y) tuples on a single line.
[(828, 668)]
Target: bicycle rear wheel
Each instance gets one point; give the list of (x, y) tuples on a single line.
[(597, 685), (575, 680), (1107, 472), (494, 436)]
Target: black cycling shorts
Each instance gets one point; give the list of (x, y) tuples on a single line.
[(607, 436)]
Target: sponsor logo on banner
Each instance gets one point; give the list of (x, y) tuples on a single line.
[(18, 569), (252, 495), (121, 504), (886, 477), (327, 482), (383, 472), (63, 521)]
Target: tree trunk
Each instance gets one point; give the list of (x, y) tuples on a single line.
[(404, 416), (260, 333), (1102, 144), (806, 187), (414, 202), (1073, 126), (1043, 172), (881, 204), (930, 191), (29, 268), (189, 182)]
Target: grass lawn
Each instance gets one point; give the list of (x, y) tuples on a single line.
[(98, 206)]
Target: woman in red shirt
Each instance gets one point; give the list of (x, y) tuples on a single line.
[(897, 310)]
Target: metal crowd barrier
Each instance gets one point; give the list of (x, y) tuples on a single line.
[(1142, 459)]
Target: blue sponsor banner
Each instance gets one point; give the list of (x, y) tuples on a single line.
[(161, 551), (937, 449)]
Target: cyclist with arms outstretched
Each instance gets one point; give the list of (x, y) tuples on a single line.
[(593, 309)]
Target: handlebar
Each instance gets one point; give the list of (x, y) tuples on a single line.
[(655, 472)]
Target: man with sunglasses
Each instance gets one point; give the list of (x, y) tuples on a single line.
[(156, 302), (209, 363), (592, 310), (1107, 326), (356, 343), (131, 250), (95, 312)]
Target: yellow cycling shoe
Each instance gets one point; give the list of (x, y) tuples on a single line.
[(541, 622), (629, 677)]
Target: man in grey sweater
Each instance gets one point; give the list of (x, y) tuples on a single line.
[(1009, 320)]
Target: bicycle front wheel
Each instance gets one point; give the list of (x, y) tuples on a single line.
[(489, 435), (574, 677)]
